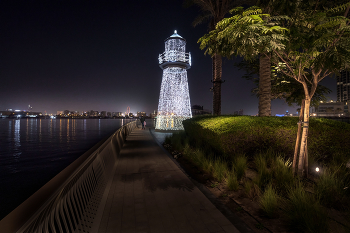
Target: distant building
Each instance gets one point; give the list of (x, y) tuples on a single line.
[(5, 114), (103, 114), (343, 86), (330, 109), (31, 114), (153, 114), (59, 113), (199, 110), (117, 114), (75, 113), (109, 114), (20, 114), (139, 114), (239, 113)]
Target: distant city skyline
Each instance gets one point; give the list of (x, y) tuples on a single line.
[(59, 55)]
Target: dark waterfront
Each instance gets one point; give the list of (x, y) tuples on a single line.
[(32, 151)]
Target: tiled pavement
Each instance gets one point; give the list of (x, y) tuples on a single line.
[(149, 193)]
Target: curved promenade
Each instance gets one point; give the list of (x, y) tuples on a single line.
[(126, 183), (149, 193)]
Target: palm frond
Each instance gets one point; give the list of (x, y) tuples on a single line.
[(337, 9)]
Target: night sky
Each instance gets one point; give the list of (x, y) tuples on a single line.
[(103, 55)]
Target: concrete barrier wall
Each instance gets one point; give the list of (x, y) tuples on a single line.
[(69, 202)]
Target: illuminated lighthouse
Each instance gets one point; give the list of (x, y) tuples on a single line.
[(174, 99)]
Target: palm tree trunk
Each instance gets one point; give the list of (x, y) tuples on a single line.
[(265, 86), (217, 72), (303, 146)]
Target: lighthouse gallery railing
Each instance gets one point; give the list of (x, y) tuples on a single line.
[(174, 56), (70, 201)]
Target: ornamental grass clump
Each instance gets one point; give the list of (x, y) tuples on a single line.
[(207, 164), (332, 188), (177, 140), (269, 201), (304, 212), (232, 181), (282, 174), (219, 169), (240, 166), (264, 174), (251, 190), (199, 157)]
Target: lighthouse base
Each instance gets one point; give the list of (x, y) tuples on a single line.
[(170, 123)]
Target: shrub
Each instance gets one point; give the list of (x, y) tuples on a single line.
[(167, 139), (187, 150), (269, 201), (231, 134), (176, 140), (304, 213)]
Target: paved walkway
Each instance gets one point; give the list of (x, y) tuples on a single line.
[(149, 193)]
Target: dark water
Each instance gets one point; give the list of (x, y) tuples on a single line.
[(32, 151)]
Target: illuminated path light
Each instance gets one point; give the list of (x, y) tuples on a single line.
[(174, 99)]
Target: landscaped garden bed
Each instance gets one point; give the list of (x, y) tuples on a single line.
[(246, 162)]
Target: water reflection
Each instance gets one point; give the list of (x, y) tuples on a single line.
[(68, 138), (60, 131), (40, 130), (17, 139), (27, 130), (84, 128), (74, 124)]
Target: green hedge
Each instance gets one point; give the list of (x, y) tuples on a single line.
[(228, 135)]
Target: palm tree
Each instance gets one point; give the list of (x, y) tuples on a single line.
[(214, 11)]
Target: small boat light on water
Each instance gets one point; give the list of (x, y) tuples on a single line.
[(317, 169)]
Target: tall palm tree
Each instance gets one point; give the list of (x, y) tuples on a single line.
[(214, 11)]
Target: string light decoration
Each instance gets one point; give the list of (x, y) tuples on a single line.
[(174, 100)]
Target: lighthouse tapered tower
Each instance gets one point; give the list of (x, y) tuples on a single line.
[(174, 99)]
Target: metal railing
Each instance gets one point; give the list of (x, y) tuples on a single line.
[(69, 202), (174, 56)]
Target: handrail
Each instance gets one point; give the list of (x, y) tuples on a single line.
[(69, 201)]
